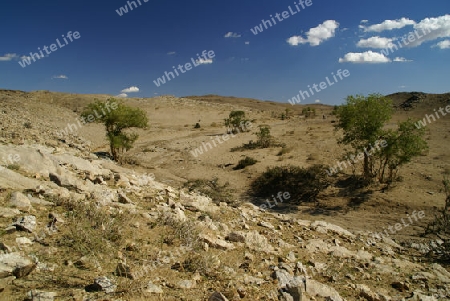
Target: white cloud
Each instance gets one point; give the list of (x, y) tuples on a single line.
[(130, 90), (202, 61), (60, 77), (316, 35), (443, 44), (375, 42), (389, 25), (247, 43), (364, 21), (171, 53), (232, 35), (431, 29), (364, 57), (122, 95), (317, 101), (401, 59), (8, 57)]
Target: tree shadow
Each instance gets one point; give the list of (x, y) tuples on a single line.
[(355, 188)]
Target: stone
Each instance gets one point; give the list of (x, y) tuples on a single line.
[(153, 288), (186, 284), (25, 223), (14, 264), (315, 288), (216, 243), (20, 201), (9, 212), (123, 198), (266, 225), (419, 296), (36, 295), (102, 284), (322, 226), (23, 241), (217, 296)]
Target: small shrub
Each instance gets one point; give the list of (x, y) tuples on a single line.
[(14, 166), (93, 230), (218, 193), (247, 161), (28, 125), (303, 184), (197, 126), (440, 226), (185, 233)]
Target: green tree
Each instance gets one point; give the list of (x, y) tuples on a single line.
[(236, 121), (309, 112), (117, 117), (402, 145), (264, 137), (362, 119)]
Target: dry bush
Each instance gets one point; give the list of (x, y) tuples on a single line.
[(91, 230)]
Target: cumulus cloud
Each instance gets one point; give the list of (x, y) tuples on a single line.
[(317, 101), (171, 53), (232, 35), (247, 43), (443, 44), (8, 57), (401, 59), (60, 77), (431, 29), (122, 95), (132, 89), (389, 25), (316, 35), (364, 57), (375, 42), (203, 61)]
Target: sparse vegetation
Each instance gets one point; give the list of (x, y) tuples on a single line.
[(218, 193), (265, 140), (117, 117), (440, 226), (14, 166), (236, 122), (247, 161), (309, 112), (303, 184)]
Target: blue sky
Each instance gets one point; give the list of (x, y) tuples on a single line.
[(125, 54)]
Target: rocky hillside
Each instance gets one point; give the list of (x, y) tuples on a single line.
[(78, 227)]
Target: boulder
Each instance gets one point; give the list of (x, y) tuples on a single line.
[(14, 264)]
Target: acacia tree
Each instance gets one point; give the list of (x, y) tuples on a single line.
[(362, 119), (236, 121), (402, 145), (116, 120)]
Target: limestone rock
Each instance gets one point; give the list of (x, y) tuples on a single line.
[(35, 295), (102, 284), (20, 201), (217, 296), (25, 223), (14, 264)]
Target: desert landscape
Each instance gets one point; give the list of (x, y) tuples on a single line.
[(79, 226)]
